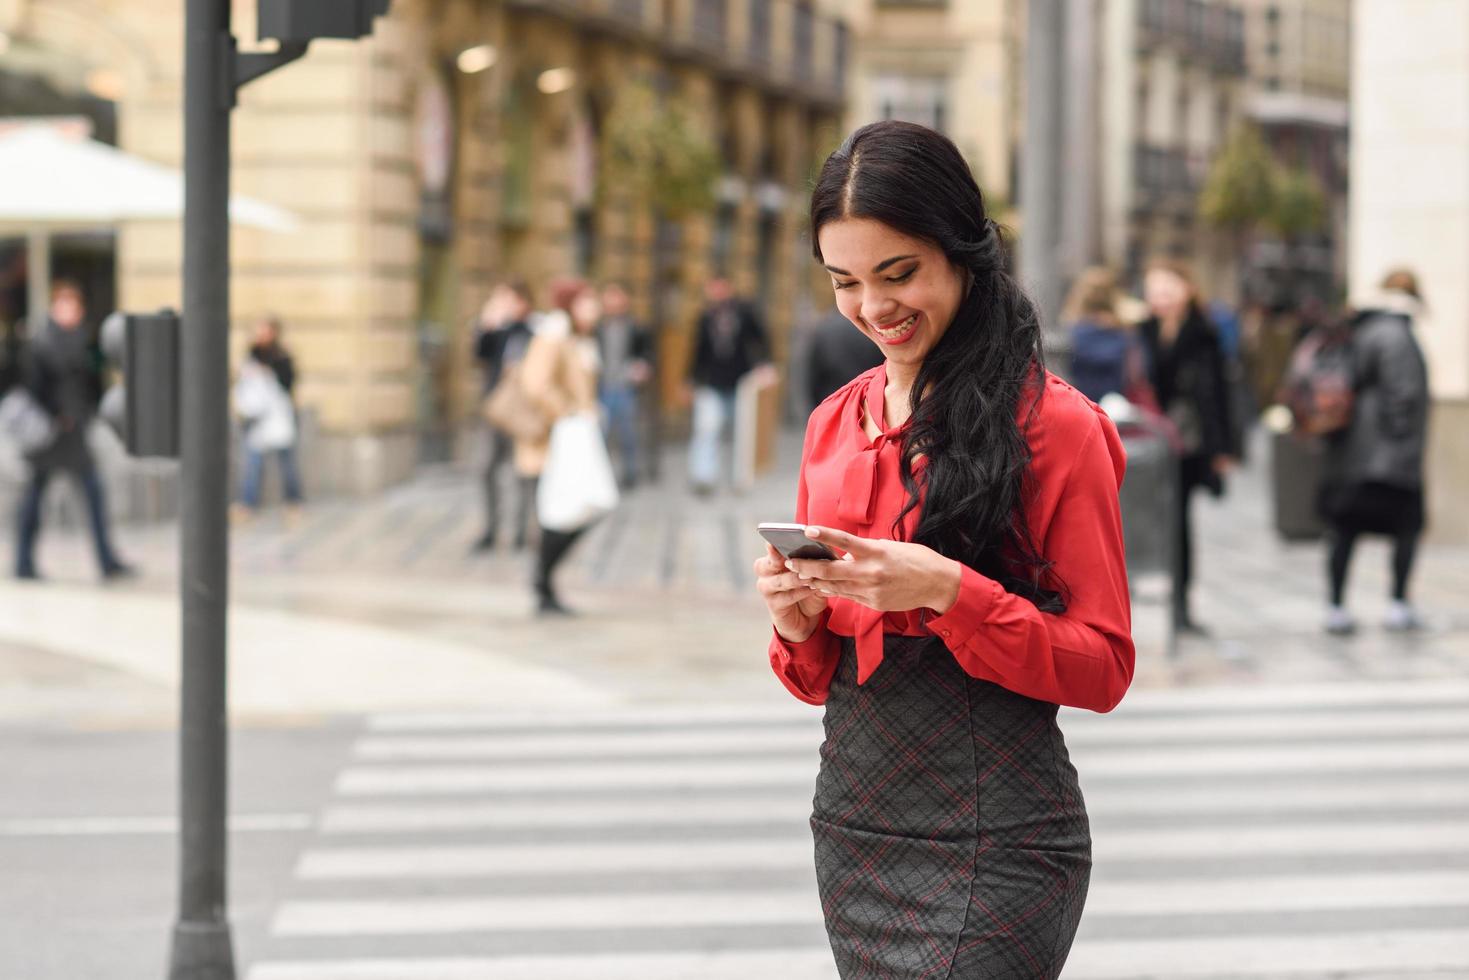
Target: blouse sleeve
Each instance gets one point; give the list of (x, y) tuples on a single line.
[(1084, 656), (805, 668)]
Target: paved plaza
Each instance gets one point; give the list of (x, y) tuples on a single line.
[(431, 784)]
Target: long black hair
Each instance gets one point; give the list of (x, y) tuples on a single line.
[(968, 394)]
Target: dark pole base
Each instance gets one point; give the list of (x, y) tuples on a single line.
[(201, 952)]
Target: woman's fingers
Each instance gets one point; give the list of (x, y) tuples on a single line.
[(785, 582), (849, 543), (829, 571)]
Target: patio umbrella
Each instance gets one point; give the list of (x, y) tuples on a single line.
[(54, 183)]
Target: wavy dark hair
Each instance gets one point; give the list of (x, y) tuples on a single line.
[(968, 394)]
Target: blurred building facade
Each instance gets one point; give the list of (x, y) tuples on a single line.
[(1173, 86), (1299, 55), (1410, 205), (953, 65), (463, 143)]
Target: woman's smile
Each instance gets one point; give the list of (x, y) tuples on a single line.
[(896, 331)]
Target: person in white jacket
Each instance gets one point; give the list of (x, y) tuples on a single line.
[(263, 402)]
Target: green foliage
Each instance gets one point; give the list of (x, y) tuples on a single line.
[(1239, 192), (658, 150), (1300, 203), (1247, 189)]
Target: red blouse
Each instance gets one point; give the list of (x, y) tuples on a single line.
[(1082, 657)]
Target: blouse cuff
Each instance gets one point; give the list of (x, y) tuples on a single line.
[(812, 649), (977, 597)]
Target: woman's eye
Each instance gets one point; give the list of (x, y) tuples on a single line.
[(842, 285), (905, 276)]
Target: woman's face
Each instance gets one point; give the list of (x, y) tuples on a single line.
[(585, 311), (901, 292), (1167, 294)]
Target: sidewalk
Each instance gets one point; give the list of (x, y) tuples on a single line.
[(377, 604)]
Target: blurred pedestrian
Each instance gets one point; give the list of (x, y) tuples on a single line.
[(1187, 372), (730, 342), (61, 368), (1374, 467), (268, 411), (627, 366), (560, 374), (502, 335), (1106, 352), (839, 352), (981, 582)]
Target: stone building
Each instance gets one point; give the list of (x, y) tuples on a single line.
[(948, 64), (1151, 90), (459, 145), (1299, 56), (1172, 87)]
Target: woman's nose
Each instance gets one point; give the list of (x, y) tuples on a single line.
[(879, 310)]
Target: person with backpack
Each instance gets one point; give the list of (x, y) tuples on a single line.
[(1374, 464)]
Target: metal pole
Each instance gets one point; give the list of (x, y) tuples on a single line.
[(1081, 107), (1040, 183), (202, 948), (38, 280)]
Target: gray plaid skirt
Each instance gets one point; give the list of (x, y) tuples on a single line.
[(951, 837)]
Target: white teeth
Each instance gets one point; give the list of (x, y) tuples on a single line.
[(899, 330)]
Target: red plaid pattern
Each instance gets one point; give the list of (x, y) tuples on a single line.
[(951, 836)]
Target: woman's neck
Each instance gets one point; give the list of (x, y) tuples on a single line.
[(897, 396)]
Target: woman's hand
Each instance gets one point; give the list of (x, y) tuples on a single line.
[(795, 609), (890, 576)]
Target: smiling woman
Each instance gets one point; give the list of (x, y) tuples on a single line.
[(982, 583)]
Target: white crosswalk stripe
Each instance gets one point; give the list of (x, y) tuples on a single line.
[(1236, 834)]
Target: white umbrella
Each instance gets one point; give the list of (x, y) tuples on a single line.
[(53, 183)]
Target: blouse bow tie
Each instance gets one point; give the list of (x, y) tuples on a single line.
[(855, 507)]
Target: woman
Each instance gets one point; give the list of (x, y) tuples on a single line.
[(1106, 356), (1374, 468), (1186, 368), (974, 497), (559, 375)]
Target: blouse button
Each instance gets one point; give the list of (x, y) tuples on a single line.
[(944, 632)]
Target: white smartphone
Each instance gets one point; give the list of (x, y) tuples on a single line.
[(791, 541)]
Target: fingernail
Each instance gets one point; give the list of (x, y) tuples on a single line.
[(791, 566)]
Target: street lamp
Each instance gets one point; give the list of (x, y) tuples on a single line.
[(214, 71)]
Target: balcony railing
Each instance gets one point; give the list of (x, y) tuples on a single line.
[(760, 25), (708, 29), (1209, 32), (780, 45), (804, 41), (627, 11), (1161, 172)]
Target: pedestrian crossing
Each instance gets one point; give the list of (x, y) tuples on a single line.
[(1310, 832)]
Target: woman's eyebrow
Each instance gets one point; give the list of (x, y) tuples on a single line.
[(877, 268)]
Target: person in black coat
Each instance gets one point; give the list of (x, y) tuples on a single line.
[(501, 336), (730, 343), (626, 349), (1187, 372), (1373, 482), (839, 352), (61, 369)]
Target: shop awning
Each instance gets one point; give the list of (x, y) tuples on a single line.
[(60, 182)]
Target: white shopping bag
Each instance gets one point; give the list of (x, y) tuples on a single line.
[(577, 486)]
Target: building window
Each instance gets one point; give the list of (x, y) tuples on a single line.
[(913, 98)]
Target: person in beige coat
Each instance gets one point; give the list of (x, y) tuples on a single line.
[(559, 377)]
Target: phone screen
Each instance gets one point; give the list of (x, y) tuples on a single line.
[(793, 543)]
